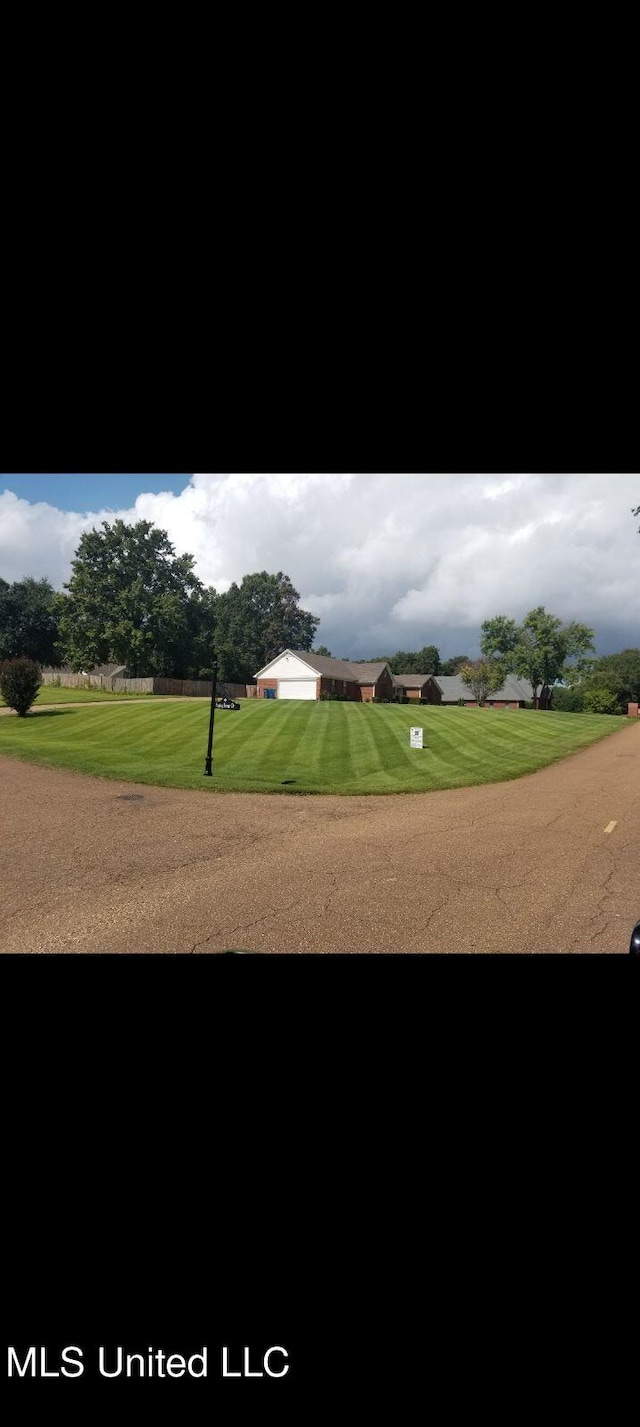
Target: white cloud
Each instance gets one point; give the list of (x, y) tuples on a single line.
[(493, 492), (524, 533), (386, 560)]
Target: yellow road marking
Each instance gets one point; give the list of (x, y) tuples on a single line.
[(610, 827)]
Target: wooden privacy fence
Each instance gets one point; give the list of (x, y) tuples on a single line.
[(187, 688), (68, 680)]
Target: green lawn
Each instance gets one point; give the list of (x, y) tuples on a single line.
[(300, 747), (52, 694)]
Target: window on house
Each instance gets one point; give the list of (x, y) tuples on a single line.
[(333, 686)]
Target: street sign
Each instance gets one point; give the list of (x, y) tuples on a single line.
[(415, 738)]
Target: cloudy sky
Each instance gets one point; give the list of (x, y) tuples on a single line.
[(387, 561)]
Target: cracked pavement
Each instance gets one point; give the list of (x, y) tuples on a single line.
[(523, 866)]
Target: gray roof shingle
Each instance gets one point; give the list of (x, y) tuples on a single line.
[(411, 681), (453, 689), (342, 668)]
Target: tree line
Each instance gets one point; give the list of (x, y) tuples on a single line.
[(131, 600), (605, 685), (422, 661)]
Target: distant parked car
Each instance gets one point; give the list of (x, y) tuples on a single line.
[(226, 703)]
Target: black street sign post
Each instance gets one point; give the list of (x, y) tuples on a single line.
[(207, 767)]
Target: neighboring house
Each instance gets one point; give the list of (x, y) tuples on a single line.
[(295, 674), (513, 694), (416, 687)]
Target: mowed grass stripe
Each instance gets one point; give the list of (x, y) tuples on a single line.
[(360, 745), (391, 738), (268, 748), (333, 762), (473, 752), (316, 740), (482, 752), (254, 748), (448, 749), (303, 746), (445, 748), (305, 759), (354, 748), (326, 724), (364, 757)]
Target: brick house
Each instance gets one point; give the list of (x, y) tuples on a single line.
[(513, 694), (295, 674), (416, 687)]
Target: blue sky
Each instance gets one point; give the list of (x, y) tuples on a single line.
[(90, 492)]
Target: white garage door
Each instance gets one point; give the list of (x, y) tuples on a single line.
[(296, 688)]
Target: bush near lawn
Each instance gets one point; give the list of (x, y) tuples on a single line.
[(305, 747), (20, 680)]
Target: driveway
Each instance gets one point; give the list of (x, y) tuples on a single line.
[(546, 863)]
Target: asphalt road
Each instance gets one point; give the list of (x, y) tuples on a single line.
[(546, 863)]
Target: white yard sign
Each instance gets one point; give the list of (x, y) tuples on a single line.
[(415, 738)]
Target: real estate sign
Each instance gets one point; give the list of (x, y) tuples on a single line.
[(415, 738)]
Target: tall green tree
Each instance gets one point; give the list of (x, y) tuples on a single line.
[(419, 661), (402, 662), (29, 620), (255, 620), (500, 637), (427, 660), (322, 649), (203, 619), (131, 600), (4, 607), (538, 649)]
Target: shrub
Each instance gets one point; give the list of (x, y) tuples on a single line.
[(20, 680), (600, 701), (566, 700)]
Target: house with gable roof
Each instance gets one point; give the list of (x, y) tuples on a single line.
[(419, 688), (296, 674), (513, 694)]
